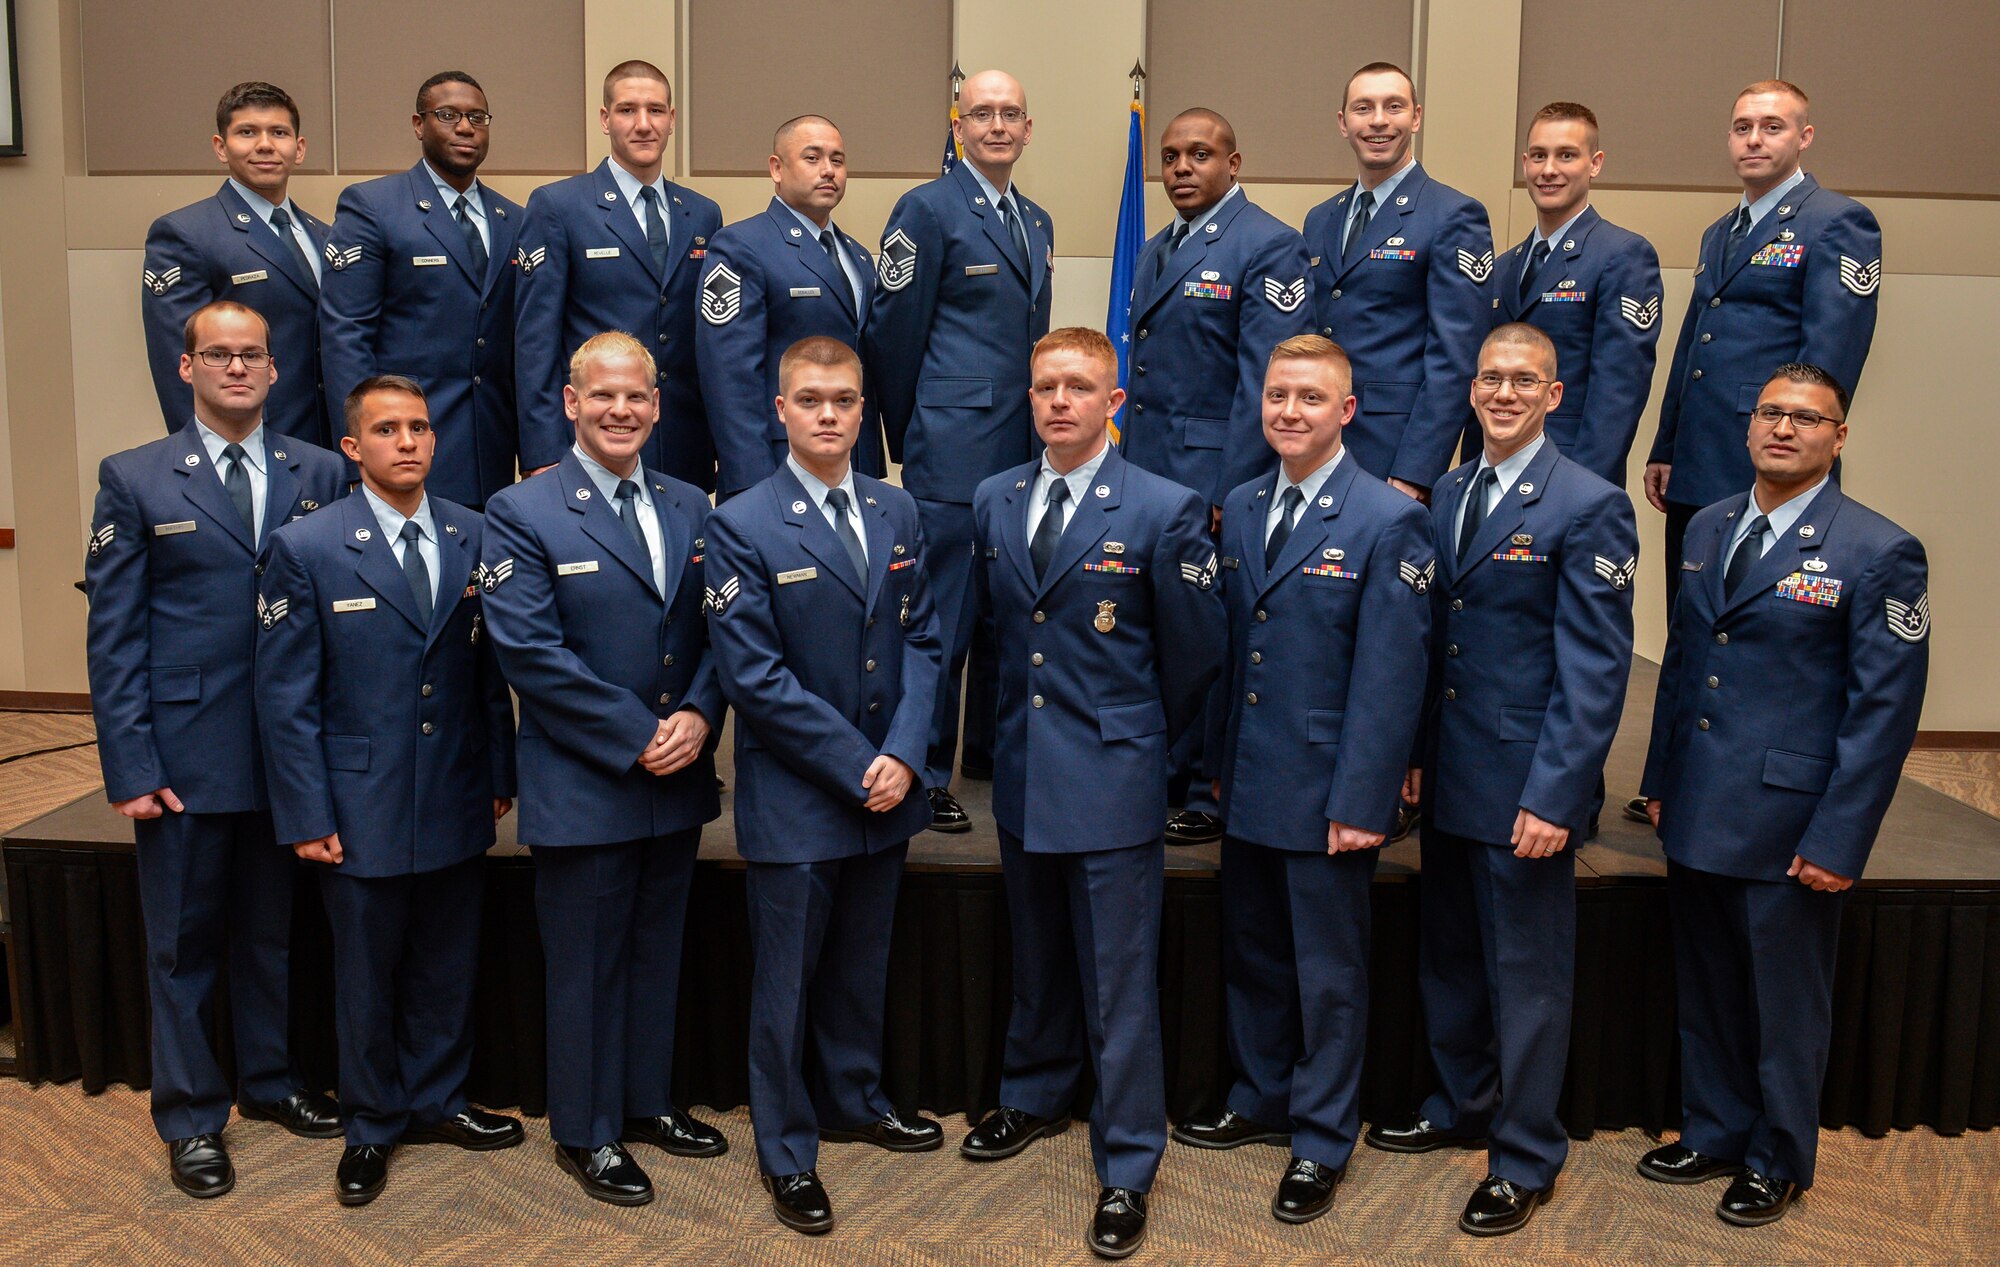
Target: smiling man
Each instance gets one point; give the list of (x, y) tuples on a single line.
[(964, 292), (1789, 696), (827, 647), (785, 274), (617, 248), (420, 282), (1401, 266), (250, 243), (1532, 612), (593, 580), (389, 741)]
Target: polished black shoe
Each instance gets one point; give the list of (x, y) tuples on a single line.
[(1635, 809), (1414, 1134), (1754, 1200), (801, 1202), (1229, 1129), (362, 1174), (1406, 822), (306, 1114), (1119, 1226), (947, 815), (474, 1130), (201, 1166), (1677, 1163), (676, 1132), (1192, 827), (1005, 1131), (916, 1135), (974, 770), (607, 1173), (1499, 1206), (1306, 1191)]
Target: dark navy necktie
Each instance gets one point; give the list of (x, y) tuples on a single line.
[(844, 529), (1536, 258), (1748, 551), (236, 482), (1173, 245), (1042, 550), (414, 570), (1281, 533), (281, 220), (656, 227), (826, 240), (474, 244), (1364, 209), (627, 496), (1737, 232), (1475, 510)]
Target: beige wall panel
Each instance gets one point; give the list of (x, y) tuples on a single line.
[(152, 73), (527, 54), (892, 116), (617, 31), (1861, 142), (110, 382), (1660, 78), (1470, 63), (1275, 69), (12, 667)]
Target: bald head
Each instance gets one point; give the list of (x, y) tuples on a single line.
[(1224, 134), (789, 130), (809, 166), (993, 126), (992, 83)]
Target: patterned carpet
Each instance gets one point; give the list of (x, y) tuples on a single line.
[(83, 1179)]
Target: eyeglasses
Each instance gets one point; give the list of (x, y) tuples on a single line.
[(447, 115), (985, 115), (1802, 419), (1523, 384), (221, 359)]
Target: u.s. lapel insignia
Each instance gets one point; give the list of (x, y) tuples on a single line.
[(1527, 489), (451, 530), (1102, 490), (423, 204), (1523, 539), (1806, 532), (362, 534), (1019, 485), (611, 195), (979, 200), (1107, 616), (869, 500), (798, 508), (278, 454), (1326, 500), (583, 494), (1114, 547), (502, 211), (1814, 565)]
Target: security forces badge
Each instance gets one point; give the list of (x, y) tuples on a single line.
[(897, 266), (1107, 616), (721, 296)]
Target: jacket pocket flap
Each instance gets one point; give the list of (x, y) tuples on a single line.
[(962, 393), (1206, 433), (1131, 721), (1323, 725), (346, 752), (1797, 771), (1746, 397), (1521, 725), (174, 685)]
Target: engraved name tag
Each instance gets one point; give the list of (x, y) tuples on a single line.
[(429, 261), (805, 292), (353, 604), (237, 279), (601, 253), (980, 270), (168, 530), (573, 569), (802, 574)]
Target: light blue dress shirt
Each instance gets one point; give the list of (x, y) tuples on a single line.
[(839, 252), (1308, 487), (392, 522), (253, 461), (629, 185), (1079, 481), (606, 481), (817, 489), (263, 207), (475, 206), (1504, 475)]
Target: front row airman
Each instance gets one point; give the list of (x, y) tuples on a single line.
[(1472, 655)]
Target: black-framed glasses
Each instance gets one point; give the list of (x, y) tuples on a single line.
[(447, 115), (220, 359), (985, 115), (1523, 384), (1802, 419)]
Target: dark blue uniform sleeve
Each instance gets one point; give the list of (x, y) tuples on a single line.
[(541, 295), (1843, 280), (1385, 694), (899, 320), (1190, 628), (173, 284), (1666, 703), (291, 659), (1888, 665), (1670, 399), (1593, 656), (704, 691), (908, 739), (1457, 293), (350, 301), (1275, 276), (118, 580), (730, 353), (1624, 342)]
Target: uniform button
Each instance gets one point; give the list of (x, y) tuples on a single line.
[(1040, 617), (1262, 614), (428, 728), (875, 707), (663, 336), (1715, 302), (1706, 337), (429, 690), (479, 342), (1142, 334), (475, 380), (663, 301), (1458, 604), (1037, 701), (260, 569), (1449, 693), (1327, 331), (870, 666), (1256, 657), (1452, 649), (1722, 640), (1139, 370), (667, 660), (1251, 698), (1696, 376), (1336, 295), (1138, 409), (871, 622), (666, 697), (663, 376), (1036, 659), (1703, 723), (1714, 682)]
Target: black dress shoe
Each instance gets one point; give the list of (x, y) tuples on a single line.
[(1119, 1226), (607, 1173), (306, 1114), (675, 1132), (1192, 827), (362, 1174), (947, 815), (1005, 1131), (801, 1202), (1229, 1129), (474, 1130), (201, 1166), (1499, 1206), (1635, 809), (920, 1135), (974, 770), (1754, 1200), (1306, 1191), (1677, 1163), (1406, 822), (1414, 1134)]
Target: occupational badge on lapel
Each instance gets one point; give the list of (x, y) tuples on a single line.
[(1107, 616)]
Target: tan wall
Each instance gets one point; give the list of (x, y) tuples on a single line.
[(70, 255)]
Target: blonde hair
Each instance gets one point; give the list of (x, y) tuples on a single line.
[(609, 346), (818, 349)]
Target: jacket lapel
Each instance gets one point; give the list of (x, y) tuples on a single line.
[(1807, 536), (881, 539), (1192, 253), (1511, 509), (990, 221), (1314, 526), (454, 570), (623, 222), (203, 485), (1717, 547), (833, 282), (816, 535), (1381, 224), (600, 520), (1775, 223), (677, 549), (263, 240), (1039, 244), (375, 559), (1089, 519), (1014, 527), (281, 483), (681, 240), (501, 232)]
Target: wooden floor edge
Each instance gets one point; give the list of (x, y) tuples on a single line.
[(45, 701)]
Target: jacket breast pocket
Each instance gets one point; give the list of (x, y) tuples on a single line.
[(1796, 771), (1388, 398), (955, 393), (1206, 433), (346, 752), (1131, 721), (1323, 725), (1521, 725), (176, 685)]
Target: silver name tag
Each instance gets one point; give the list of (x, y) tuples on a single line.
[(354, 605), (573, 569), (980, 270), (803, 574), (237, 279), (805, 292), (601, 253), (429, 261), (168, 530)]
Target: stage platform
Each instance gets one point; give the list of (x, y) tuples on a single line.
[(1917, 1008)]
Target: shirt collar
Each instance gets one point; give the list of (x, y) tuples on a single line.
[(1309, 486), (1510, 467), (1194, 225), (1078, 478), (473, 202), (986, 186), (812, 230), (1562, 230), (1784, 516), (392, 520), (1762, 207), (817, 488), (260, 204), (1385, 189), (607, 479), (629, 185), (253, 444)]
